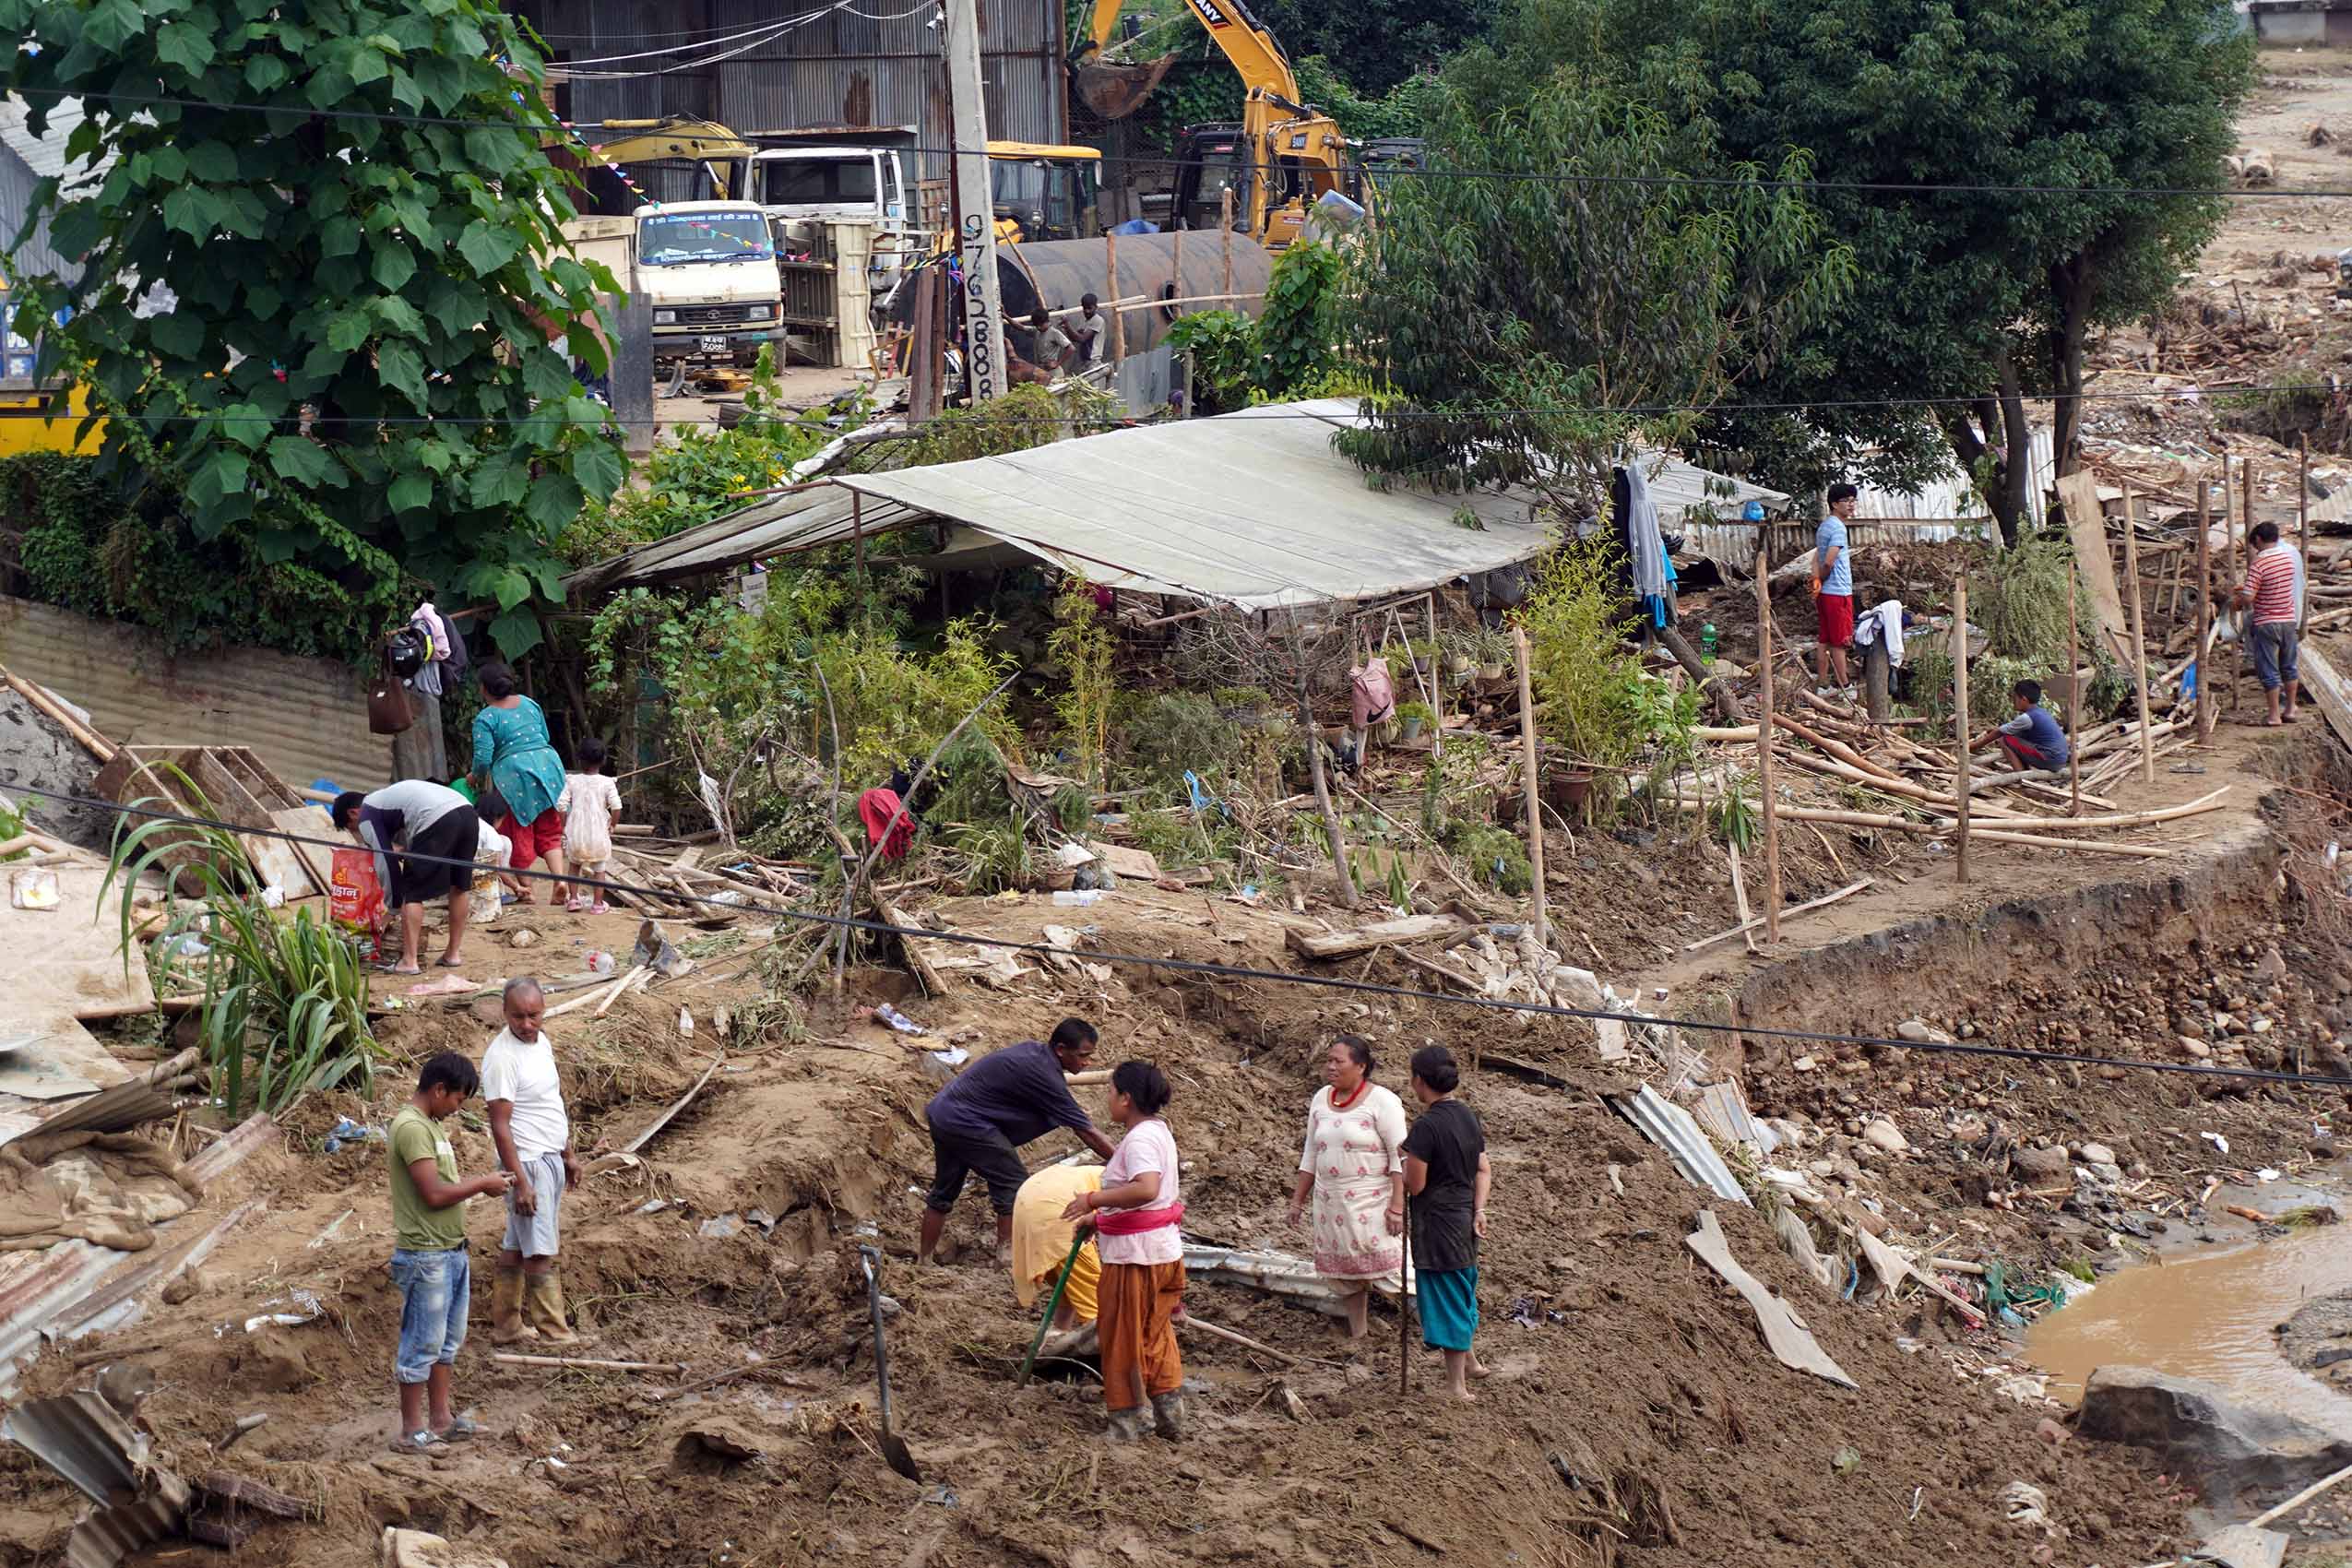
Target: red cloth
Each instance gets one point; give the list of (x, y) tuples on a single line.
[(1135, 1221), (531, 841), (1835, 620), (877, 809)]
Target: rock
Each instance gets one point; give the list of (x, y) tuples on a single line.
[(2095, 1154), (1803, 1064), (1572, 987), (184, 1285), (2050, 1432), (2204, 1436), (2190, 1046), (2038, 1164), (415, 1549), (1881, 1134), (1921, 1031)]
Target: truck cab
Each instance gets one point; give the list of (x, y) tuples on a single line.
[(708, 268), (799, 187)]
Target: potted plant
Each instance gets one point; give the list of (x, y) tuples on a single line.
[(1459, 651), (1491, 648), (1412, 718)]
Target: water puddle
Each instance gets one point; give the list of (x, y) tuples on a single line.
[(2209, 1317)]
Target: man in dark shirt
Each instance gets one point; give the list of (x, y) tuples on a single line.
[(1005, 1100)]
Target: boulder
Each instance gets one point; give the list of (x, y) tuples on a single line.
[(1572, 987), (1881, 1134), (2038, 1164), (2095, 1154), (2196, 1431)]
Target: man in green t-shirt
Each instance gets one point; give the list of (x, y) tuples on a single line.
[(429, 1263)]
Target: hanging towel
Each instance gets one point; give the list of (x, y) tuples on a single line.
[(885, 824), (1641, 538), (1881, 621), (1373, 694)]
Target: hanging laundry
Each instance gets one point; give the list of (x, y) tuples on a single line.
[(886, 824)]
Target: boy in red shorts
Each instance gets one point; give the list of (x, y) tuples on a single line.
[(1833, 587)]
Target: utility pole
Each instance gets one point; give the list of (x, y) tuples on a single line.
[(976, 211)]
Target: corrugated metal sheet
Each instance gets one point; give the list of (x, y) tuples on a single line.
[(1671, 1127), (881, 68), (90, 1444), (120, 1107), (306, 717)]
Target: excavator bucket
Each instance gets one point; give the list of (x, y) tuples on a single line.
[(1116, 92)]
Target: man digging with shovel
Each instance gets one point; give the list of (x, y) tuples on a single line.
[(533, 1136)]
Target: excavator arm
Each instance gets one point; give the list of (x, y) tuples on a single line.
[(1256, 56)]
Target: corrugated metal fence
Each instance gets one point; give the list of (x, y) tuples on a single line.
[(306, 717), (877, 64)]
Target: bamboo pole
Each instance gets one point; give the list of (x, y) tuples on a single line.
[(2303, 523), (1118, 317), (1763, 743), (1931, 830), (2074, 709), (2202, 644), (2139, 637), (1529, 769), (1960, 707)]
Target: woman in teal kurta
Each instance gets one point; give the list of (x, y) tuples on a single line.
[(513, 752)]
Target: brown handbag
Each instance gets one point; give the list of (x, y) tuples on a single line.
[(389, 711)]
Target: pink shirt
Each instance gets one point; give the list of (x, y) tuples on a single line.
[(1148, 1145)]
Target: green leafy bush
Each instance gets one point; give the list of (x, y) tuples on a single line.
[(1177, 731)]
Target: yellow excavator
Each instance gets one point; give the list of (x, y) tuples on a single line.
[(1282, 157)]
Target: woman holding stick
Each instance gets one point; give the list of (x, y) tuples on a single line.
[(1353, 1168), (1447, 1174), (1134, 1217)]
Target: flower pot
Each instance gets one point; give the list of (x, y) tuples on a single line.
[(1566, 787), (1411, 729), (1458, 664), (1490, 671)]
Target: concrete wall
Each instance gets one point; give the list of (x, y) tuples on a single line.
[(307, 717)]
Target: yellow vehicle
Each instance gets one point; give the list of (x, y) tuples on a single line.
[(1283, 157), (38, 413), (1039, 192)]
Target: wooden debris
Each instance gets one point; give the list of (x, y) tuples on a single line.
[(587, 1363), (1821, 902), (1784, 1332), (246, 1492), (1215, 1332), (1364, 939)]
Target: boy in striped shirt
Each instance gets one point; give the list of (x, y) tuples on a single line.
[(2274, 592)]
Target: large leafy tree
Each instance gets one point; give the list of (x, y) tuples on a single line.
[(350, 208), (1970, 299), (1550, 292), (1376, 44)]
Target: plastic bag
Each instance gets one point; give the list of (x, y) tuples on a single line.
[(355, 900)]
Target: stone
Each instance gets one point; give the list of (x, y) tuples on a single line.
[(1921, 1032), (2095, 1154), (1572, 987), (2202, 1436), (1881, 1134), (2038, 1164), (2193, 1048), (416, 1549)]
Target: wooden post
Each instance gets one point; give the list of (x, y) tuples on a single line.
[(1530, 769), (2074, 709), (1225, 239), (1118, 316), (1763, 743), (2303, 524), (1960, 706), (2139, 638), (2204, 612)]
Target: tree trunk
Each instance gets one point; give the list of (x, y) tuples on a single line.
[(1313, 738), (2011, 501), (2070, 290), (1726, 705)]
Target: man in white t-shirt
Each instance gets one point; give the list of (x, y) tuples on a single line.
[(533, 1134)]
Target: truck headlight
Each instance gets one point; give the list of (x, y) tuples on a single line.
[(758, 312), (665, 318)]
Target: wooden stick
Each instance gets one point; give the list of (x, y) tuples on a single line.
[(1739, 891), (586, 1364), (1224, 234), (1763, 740), (1118, 317), (1985, 835), (2300, 1497), (2139, 637), (2074, 708), (1960, 698), (89, 740), (620, 987), (2303, 522), (1527, 768), (1189, 1320), (1404, 1304), (1821, 902)]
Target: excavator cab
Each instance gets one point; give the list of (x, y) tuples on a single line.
[(1211, 159), (1045, 193)]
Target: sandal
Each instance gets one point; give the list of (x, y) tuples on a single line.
[(461, 1428), (422, 1442), (391, 968), (448, 963), (600, 908), (576, 907)]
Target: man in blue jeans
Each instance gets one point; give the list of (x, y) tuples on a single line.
[(428, 1265)]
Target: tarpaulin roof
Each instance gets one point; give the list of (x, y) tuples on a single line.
[(1254, 509)]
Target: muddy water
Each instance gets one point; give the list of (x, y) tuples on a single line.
[(2210, 1316)]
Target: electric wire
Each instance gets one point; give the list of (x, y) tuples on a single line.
[(1237, 972)]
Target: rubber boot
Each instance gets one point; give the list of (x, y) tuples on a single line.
[(507, 1324), (1130, 1425), (543, 1297), (1168, 1414)]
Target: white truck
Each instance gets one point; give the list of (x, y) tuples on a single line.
[(708, 268), (801, 188)]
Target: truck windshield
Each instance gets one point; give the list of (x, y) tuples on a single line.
[(1034, 187), (809, 182), (669, 239)]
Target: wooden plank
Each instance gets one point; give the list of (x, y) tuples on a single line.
[(1784, 1332), (2086, 524), (2326, 688), (308, 822), (1348, 943)]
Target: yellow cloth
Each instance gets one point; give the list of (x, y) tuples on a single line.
[(1041, 1238)]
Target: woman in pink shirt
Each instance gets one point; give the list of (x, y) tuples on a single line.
[(1135, 1215)]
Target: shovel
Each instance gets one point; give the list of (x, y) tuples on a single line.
[(893, 1450)]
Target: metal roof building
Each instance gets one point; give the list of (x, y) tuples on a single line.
[(756, 66)]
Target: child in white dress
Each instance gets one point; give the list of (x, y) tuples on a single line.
[(590, 804)]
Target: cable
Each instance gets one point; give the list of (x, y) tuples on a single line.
[(1232, 971), (765, 30), (1876, 188), (1960, 400)]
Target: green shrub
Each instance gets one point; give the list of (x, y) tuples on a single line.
[(1178, 730), (1496, 856)]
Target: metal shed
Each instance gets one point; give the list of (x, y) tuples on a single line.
[(841, 65)]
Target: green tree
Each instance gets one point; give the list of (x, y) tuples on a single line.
[(1980, 298), (1530, 326), (1374, 45), (350, 202)]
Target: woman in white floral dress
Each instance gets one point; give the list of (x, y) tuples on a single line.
[(1353, 1165)]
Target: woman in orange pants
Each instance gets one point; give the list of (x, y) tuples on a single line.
[(1135, 1215)]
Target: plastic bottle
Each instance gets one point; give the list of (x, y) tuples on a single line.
[(600, 963), (1070, 899)]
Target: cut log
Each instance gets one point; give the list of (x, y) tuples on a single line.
[(1364, 939), (918, 965)]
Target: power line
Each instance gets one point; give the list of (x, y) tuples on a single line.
[(1271, 977), (1376, 173)]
